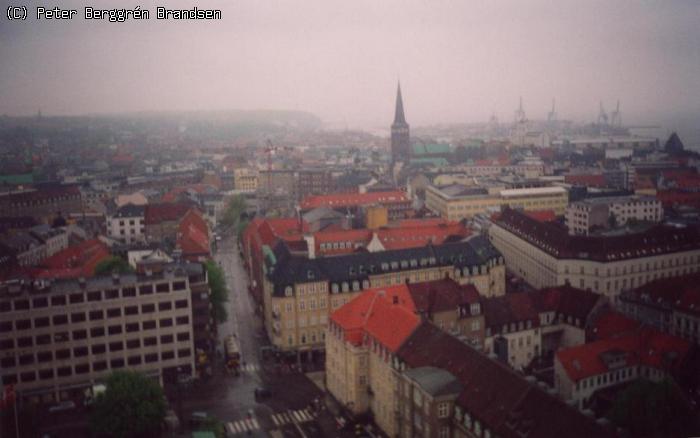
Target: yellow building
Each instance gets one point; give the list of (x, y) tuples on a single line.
[(245, 180), (458, 202), (301, 292)]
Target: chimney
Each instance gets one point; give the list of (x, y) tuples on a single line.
[(311, 245), (115, 277)]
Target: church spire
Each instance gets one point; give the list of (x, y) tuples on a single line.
[(399, 117)]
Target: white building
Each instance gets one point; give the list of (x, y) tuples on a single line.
[(127, 224), (544, 254), (584, 216)]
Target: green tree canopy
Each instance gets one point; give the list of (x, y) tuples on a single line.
[(112, 264), (234, 209), (648, 409), (219, 291), (133, 405)]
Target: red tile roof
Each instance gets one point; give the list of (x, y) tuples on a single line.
[(193, 235), (611, 324), (494, 394), (542, 215), (643, 347), (374, 313), (75, 261), (442, 295), (353, 199), (166, 212), (681, 293)]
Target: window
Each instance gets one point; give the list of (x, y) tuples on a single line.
[(166, 322), (60, 319), (151, 357), (43, 339), (77, 317), (58, 300), (163, 288), (114, 313), (148, 308), (111, 294), (94, 296), (128, 292), (77, 298), (444, 432), (44, 356), (99, 349), (167, 355), (180, 304), (146, 289), (184, 336), (149, 325), (21, 342), (150, 341), (166, 339), (82, 368), (165, 305), (23, 324), (184, 352), (131, 310), (131, 327), (96, 315), (443, 410), (63, 354), (182, 320), (99, 366), (134, 360), (115, 329), (38, 303), (96, 332), (179, 285)]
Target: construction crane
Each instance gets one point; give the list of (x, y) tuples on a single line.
[(602, 115)]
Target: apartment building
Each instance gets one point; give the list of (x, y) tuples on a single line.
[(44, 203), (523, 326), (57, 339), (580, 372), (127, 224), (457, 202), (300, 293), (245, 180), (544, 254), (417, 380), (670, 305), (592, 214)]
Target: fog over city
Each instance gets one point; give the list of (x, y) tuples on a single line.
[(457, 61)]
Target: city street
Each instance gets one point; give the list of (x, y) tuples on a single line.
[(289, 411)]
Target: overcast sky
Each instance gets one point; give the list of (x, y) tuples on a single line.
[(458, 61)]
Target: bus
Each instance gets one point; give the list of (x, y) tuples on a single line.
[(233, 354)]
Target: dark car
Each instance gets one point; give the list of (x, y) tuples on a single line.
[(262, 393)]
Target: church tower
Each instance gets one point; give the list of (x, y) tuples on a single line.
[(400, 139)]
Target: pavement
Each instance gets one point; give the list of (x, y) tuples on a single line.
[(297, 406)]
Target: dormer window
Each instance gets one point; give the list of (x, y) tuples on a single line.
[(355, 285), (365, 284), (475, 308), (310, 274), (346, 286), (288, 291), (334, 288)]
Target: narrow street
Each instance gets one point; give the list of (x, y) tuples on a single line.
[(287, 412)]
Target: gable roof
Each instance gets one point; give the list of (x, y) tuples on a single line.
[(373, 312), (494, 394)]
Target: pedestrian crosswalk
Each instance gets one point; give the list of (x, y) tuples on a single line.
[(249, 367), (241, 426), (291, 416)]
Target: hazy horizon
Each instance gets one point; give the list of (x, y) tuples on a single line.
[(341, 60)]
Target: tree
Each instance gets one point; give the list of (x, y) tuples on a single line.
[(219, 291), (132, 405), (112, 264), (654, 409), (213, 424), (234, 209)]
